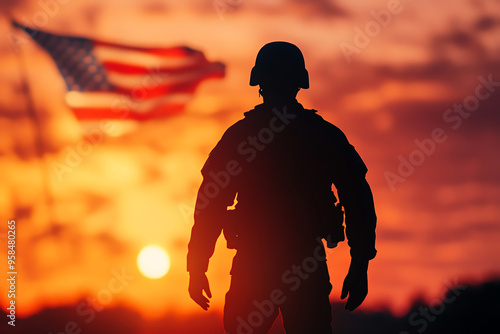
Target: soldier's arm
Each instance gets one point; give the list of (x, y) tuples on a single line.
[(208, 223), (356, 197), (216, 193), (360, 218)]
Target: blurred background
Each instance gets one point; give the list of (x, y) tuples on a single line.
[(413, 84)]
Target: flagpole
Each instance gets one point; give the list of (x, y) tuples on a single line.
[(39, 140)]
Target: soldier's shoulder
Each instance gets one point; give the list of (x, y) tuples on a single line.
[(325, 127), (240, 126), (237, 125)]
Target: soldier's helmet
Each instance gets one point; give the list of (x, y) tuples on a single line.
[(279, 62)]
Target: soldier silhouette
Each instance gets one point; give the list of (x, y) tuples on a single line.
[(278, 165)]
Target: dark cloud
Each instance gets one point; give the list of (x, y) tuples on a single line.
[(90, 14), (322, 8), (73, 235), (8, 4), (112, 245), (390, 234), (71, 244), (95, 202), (304, 9), (155, 7), (466, 155), (470, 230), (486, 23)]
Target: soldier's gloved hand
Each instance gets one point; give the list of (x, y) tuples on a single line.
[(198, 282), (355, 284)]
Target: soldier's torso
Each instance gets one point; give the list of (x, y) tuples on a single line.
[(285, 179)]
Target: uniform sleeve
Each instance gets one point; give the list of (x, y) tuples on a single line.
[(356, 197), (216, 193)]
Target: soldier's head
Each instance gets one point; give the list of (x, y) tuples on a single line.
[(279, 70)]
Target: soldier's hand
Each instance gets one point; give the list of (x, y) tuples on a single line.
[(355, 284), (198, 282)]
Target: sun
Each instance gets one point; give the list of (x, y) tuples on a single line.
[(153, 262)]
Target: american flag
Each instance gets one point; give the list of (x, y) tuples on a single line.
[(112, 81)]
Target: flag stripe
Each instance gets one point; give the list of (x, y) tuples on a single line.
[(131, 81), (126, 68), (173, 52), (151, 92), (120, 101), (144, 59), (125, 114)]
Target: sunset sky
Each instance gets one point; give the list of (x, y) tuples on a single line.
[(389, 73)]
